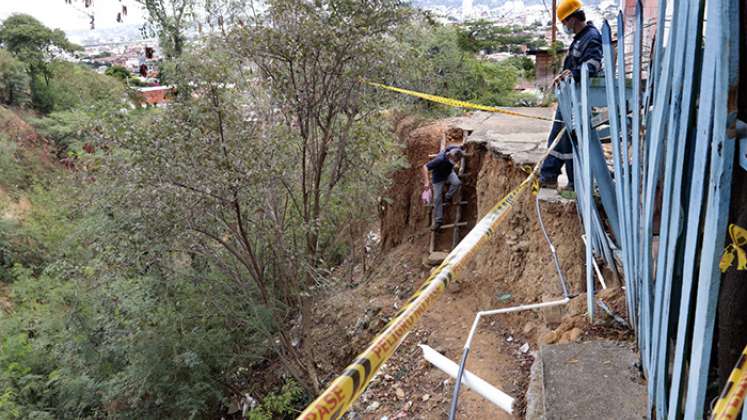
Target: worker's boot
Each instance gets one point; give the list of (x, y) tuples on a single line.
[(568, 192), (549, 183), (437, 226)]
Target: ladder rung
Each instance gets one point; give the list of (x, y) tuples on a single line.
[(465, 154), (461, 203), (451, 225)]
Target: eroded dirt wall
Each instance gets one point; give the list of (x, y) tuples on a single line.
[(519, 253), (515, 267)]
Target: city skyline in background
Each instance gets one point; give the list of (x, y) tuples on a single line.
[(71, 18)]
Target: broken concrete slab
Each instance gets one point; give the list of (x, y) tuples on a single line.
[(534, 398), (592, 380), (552, 196), (437, 257)]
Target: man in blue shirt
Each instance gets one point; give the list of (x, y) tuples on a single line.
[(585, 48), (442, 172)]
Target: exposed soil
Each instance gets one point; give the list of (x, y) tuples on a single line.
[(514, 268), (13, 208), (5, 304)]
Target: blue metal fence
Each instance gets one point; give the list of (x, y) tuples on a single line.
[(667, 202)]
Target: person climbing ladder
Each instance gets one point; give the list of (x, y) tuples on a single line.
[(442, 172)]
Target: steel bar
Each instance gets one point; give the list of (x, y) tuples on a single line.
[(586, 147), (636, 160), (663, 291), (624, 175), (612, 110), (721, 20), (656, 137)]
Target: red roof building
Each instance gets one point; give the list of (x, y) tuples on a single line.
[(155, 95)]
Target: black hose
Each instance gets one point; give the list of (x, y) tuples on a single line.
[(553, 251), (458, 385)]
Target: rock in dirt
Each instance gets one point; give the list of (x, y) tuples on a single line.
[(437, 257), (571, 336), (425, 397), (549, 338), (373, 407), (524, 348), (400, 393), (575, 334), (578, 305)]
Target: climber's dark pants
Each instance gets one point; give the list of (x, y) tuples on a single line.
[(563, 154)]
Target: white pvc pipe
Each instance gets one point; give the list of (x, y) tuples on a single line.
[(596, 267), (504, 401), (507, 310)]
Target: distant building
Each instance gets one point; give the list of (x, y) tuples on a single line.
[(155, 96), (650, 15), (466, 9), (544, 68)]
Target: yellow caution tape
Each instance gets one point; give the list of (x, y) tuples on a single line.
[(535, 183), (346, 388), (457, 103), (734, 249), (732, 397)]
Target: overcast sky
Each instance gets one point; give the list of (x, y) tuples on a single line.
[(59, 14)]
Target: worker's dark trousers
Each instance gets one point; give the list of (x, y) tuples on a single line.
[(562, 154), (438, 189)]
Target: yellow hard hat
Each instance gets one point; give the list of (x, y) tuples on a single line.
[(568, 7)]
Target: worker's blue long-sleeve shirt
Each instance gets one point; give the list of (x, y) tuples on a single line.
[(585, 48)]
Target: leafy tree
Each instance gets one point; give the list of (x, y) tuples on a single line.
[(250, 184), (33, 43), (118, 72), (170, 19), (524, 64), (447, 70), (75, 86), (484, 35), (93, 336), (14, 82)]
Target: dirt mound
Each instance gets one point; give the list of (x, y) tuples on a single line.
[(15, 128), (5, 304)]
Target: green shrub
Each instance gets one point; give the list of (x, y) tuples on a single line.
[(281, 405), (14, 82), (73, 86), (118, 72)]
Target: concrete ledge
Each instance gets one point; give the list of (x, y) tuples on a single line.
[(592, 380)]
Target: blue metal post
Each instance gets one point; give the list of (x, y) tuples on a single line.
[(656, 138), (668, 230), (623, 176), (586, 146), (636, 181), (724, 22), (609, 80)]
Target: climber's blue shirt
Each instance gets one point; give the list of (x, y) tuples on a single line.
[(440, 166), (585, 48)]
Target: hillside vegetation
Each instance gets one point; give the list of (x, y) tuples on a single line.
[(162, 262)]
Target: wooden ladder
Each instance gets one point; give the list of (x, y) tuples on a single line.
[(436, 257)]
